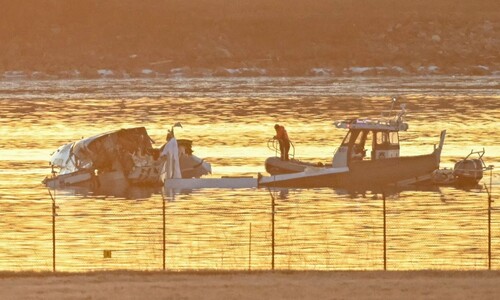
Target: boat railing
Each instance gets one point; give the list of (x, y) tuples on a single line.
[(273, 145), (386, 122), (375, 124)]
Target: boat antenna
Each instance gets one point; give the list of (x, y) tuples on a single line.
[(392, 105), (401, 113)]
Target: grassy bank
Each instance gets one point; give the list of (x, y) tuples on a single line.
[(253, 285)]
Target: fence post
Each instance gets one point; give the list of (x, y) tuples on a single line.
[(272, 228), (489, 232), (250, 249), (164, 231), (385, 233), (54, 236), (53, 229), (164, 258), (489, 216), (273, 207)]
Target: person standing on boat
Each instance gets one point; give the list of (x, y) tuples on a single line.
[(284, 141)]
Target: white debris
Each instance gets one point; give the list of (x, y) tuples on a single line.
[(105, 72)]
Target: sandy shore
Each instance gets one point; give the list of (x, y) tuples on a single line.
[(256, 285)]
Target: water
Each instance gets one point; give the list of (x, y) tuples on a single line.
[(230, 121)]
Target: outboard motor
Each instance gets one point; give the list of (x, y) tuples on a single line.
[(468, 171)]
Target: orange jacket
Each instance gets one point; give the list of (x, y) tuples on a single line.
[(281, 134)]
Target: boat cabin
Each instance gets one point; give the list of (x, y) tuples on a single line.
[(368, 140)]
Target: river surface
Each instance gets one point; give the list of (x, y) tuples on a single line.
[(230, 122)]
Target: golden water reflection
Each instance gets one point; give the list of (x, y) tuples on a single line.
[(230, 122)]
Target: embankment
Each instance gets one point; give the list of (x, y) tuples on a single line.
[(121, 38)]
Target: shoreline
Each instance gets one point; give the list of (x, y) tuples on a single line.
[(250, 38), (365, 73), (430, 284)]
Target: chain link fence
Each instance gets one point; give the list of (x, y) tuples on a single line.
[(255, 230)]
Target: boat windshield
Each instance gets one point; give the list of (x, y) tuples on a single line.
[(388, 139), (362, 144), (347, 138), (358, 142)]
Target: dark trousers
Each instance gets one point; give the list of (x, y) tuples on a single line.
[(284, 148)]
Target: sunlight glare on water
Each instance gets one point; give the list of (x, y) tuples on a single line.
[(230, 121)]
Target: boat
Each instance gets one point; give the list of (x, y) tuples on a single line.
[(123, 156), (368, 156)]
